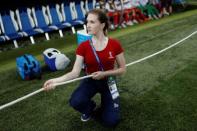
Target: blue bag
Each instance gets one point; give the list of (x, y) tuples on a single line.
[(28, 67), (82, 36)]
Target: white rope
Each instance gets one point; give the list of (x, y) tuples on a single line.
[(84, 77), (159, 52), (20, 99), (40, 90)]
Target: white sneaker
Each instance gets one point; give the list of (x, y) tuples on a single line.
[(155, 17), (130, 23), (85, 117), (123, 25), (135, 21), (112, 27), (160, 15), (166, 13), (150, 17)]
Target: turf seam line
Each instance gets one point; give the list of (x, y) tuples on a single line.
[(88, 76)]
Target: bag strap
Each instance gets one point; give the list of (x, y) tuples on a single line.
[(96, 55), (26, 58), (28, 61)]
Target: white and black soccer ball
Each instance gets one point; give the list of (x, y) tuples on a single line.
[(55, 60)]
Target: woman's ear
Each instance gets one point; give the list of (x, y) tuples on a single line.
[(103, 25)]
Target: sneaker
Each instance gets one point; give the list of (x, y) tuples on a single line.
[(150, 17), (85, 117), (129, 23), (112, 27), (160, 15), (155, 17), (116, 26), (123, 25), (166, 13), (135, 21)]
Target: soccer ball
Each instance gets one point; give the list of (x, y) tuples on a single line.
[(55, 60)]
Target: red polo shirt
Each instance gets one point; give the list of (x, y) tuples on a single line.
[(107, 56)]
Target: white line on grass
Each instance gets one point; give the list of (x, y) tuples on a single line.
[(84, 77)]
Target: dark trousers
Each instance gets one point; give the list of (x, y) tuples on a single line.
[(81, 100)]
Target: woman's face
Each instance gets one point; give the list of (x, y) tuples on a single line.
[(93, 24)]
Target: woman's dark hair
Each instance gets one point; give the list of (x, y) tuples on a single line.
[(102, 17)]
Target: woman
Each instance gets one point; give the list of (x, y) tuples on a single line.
[(109, 52)]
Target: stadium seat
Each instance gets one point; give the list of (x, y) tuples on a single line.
[(9, 27), (2, 38), (77, 12), (55, 18), (91, 4), (61, 16), (32, 21), (70, 15), (40, 22), (25, 25), (81, 12), (40, 19)]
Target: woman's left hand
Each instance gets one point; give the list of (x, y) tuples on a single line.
[(98, 75)]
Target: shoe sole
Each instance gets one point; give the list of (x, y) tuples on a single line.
[(85, 120)]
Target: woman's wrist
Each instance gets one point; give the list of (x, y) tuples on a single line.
[(105, 73), (55, 80)]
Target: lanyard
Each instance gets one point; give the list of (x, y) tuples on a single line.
[(95, 54)]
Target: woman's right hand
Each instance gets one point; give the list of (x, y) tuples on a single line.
[(49, 85)]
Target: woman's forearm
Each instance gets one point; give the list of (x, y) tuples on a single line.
[(66, 77), (114, 72)]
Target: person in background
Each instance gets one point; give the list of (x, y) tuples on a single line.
[(112, 14), (100, 5), (147, 8), (104, 59), (137, 14), (157, 5), (166, 6), (127, 8), (119, 8)]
